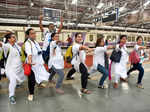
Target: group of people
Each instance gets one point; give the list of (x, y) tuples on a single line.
[(35, 56)]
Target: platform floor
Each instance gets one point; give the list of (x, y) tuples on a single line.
[(127, 98)]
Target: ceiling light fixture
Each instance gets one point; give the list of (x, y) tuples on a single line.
[(146, 3), (100, 5), (74, 1)]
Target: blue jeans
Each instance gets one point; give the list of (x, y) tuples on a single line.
[(104, 72), (60, 72)]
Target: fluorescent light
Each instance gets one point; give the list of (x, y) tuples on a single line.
[(122, 9), (74, 1), (147, 3), (100, 5), (134, 12)]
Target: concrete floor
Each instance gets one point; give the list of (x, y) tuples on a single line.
[(127, 98)]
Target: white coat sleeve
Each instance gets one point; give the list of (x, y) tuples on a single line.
[(6, 48), (28, 48)]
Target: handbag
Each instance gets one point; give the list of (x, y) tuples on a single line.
[(27, 69), (116, 56), (134, 57), (106, 58)]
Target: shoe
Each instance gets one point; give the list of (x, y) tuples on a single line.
[(89, 77), (52, 81), (42, 85), (58, 90), (12, 100), (140, 86), (115, 85), (102, 87), (30, 97), (85, 91), (70, 78), (124, 80)]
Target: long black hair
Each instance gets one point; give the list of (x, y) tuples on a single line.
[(139, 37), (27, 34), (8, 36), (121, 37), (99, 40), (78, 33)]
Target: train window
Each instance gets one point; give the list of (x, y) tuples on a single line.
[(100, 35), (145, 38), (148, 39), (91, 38), (129, 39), (113, 37), (2, 36), (109, 37), (133, 38)]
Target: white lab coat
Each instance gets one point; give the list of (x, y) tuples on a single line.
[(13, 67), (120, 69), (78, 58), (57, 59), (32, 48)]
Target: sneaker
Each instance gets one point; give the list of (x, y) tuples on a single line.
[(30, 97), (115, 85), (89, 78), (124, 80), (42, 85), (12, 100), (52, 81), (140, 86), (70, 78), (102, 87)]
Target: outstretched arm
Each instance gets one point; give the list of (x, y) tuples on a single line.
[(40, 23), (61, 25)]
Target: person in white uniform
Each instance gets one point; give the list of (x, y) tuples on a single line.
[(13, 68), (47, 35), (47, 40), (120, 69), (34, 57), (78, 61), (56, 62), (99, 61)]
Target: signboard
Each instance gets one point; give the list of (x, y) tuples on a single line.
[(109, 16), (51, 14)]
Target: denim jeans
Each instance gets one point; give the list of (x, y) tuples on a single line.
[(140, 68), (104, 72), (60, 72)]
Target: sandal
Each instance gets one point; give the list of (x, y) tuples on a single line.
[(86, 91)]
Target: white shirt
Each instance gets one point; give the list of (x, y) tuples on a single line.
[(32, 48), (99, 56), (56, 57), (47, 39), (13, 64), (79, 57)]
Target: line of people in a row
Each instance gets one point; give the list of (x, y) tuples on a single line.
[(33, 51)]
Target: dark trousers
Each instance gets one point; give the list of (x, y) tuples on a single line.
[(31, 83), (0, 74), (84, 75), (71, 72), (52, 72), (140, 68)]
